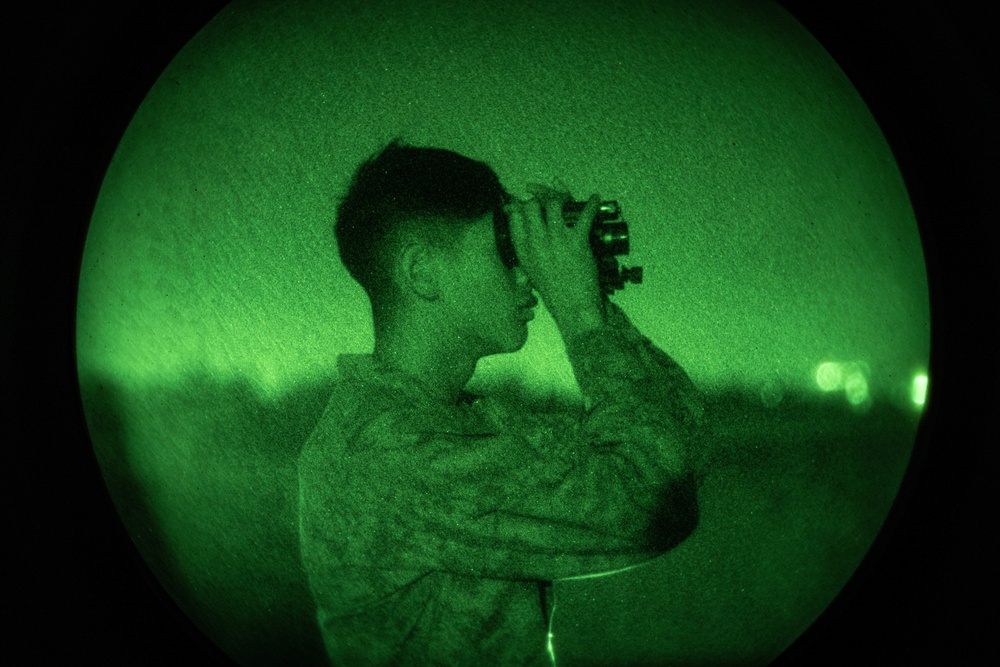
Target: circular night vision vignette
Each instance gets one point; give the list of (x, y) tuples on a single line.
[(847, 377)]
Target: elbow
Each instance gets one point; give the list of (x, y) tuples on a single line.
[(675, 515)]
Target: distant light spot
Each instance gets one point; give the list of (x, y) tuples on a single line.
[(856, 388), (918, 389), (830, 376), (771, 393)]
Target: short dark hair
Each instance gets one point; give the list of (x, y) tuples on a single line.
[(405, 186)]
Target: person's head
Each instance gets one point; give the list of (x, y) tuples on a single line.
[(416, 230)]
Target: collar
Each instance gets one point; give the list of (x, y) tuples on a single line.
[(364, 368)]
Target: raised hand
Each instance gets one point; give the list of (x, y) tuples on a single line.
[(558, 258)]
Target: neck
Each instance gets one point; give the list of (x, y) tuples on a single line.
[(441, 366)]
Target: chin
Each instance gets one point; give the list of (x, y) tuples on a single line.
[(521, 339), (516, 348)]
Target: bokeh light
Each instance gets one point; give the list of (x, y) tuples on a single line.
[(771, 393), (918, 389), (830, 376), (852, 377), (855, 384)]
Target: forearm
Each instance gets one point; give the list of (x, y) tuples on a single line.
[(606, 356), (634, 393), (578, 314)]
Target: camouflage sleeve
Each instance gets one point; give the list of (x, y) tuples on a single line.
[(617, 493), (624, 366)]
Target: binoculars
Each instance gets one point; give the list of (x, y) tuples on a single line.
[(608, 240)]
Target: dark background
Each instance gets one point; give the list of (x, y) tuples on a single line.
[(75, 76)]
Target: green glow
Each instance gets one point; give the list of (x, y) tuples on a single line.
[(918, 389), (851, 377), (855, 384), (763, 202), (830, 376), (210, 239)]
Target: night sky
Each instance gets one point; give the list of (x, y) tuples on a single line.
[(764, 203)]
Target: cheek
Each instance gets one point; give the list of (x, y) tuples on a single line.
[(481, 291), (491, 287), (470, 298)]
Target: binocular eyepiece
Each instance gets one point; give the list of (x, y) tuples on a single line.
[(609, 239)]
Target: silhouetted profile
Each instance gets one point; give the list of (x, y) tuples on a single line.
[(433, 521)]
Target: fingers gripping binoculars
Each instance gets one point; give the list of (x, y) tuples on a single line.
[(609, 240)]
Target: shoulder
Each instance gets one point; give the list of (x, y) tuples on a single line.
[(350, 405), (360, 411)]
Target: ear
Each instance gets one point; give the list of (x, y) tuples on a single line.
[(417, 271)]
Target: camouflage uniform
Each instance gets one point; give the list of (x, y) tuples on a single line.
[(431, 534)]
